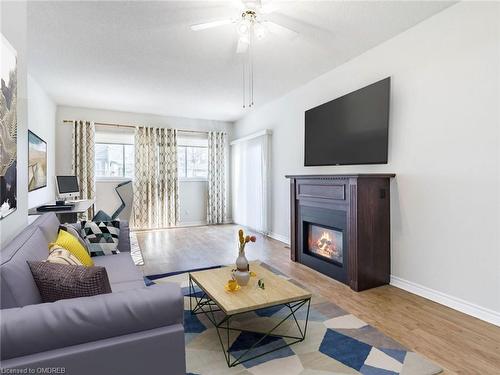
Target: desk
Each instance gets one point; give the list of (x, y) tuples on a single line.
[(69, 215)]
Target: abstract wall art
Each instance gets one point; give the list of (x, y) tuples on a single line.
[(8, 128)]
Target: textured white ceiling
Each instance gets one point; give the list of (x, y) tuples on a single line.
[(143, 57)]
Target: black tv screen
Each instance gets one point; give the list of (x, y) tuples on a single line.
[(352, 129)]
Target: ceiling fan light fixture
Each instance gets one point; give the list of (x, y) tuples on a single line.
[(249, 27), (244, 39), (211, 24), (260, 30), (243, 27)]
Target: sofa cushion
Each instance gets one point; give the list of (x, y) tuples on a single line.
[(48, 326), (124, 237), (127, 285), (60, 255), (102, 237), (71, 243), (75, 233), (18, 287), (49, 225), (120, 268), (63, 281)]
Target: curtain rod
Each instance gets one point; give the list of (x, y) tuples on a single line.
[(115, 125)]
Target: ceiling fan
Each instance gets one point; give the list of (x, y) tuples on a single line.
[(252, 22)]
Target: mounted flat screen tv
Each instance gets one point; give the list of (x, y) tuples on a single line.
[(352, 129)]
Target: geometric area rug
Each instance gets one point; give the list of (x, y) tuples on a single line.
[(336, 343)]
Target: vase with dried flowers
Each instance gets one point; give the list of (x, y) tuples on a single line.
[(242, 272)]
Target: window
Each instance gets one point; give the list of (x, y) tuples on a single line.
[(192, 162), (113, 160), (192, 155)]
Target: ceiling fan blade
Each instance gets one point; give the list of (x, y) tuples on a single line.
[(209, 25), (268, 7), (262, 7), (242, 46), (280, 30), (251, 4)]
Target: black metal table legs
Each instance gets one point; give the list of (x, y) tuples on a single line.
[(203, 304)]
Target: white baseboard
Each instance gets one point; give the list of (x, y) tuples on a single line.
[(280, 238), (455, 303), (191, 223), (199, 223)]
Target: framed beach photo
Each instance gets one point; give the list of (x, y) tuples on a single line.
[(37, 162)]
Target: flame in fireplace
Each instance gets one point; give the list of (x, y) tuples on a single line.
[(324, 242), (326, 246)]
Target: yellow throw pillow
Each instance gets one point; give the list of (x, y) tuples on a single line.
[(71, 243), (60, 255)]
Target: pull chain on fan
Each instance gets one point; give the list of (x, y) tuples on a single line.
[(247, 32)]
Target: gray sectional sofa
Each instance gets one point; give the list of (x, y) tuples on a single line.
[(133, 330)]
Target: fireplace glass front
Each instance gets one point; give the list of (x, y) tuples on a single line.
[(324, 243)]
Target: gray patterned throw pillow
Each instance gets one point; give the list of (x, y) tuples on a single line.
[(101, 236), (62, 281)]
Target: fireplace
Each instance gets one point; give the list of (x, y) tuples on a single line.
[(340, 226), (325, 243)]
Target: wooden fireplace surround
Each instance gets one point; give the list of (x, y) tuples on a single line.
[(365, 198)]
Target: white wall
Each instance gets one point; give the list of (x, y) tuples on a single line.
[(41, 121), (192, 194), (443, 146), (13, 27)]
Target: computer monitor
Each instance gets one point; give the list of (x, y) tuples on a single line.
[(67, 186)]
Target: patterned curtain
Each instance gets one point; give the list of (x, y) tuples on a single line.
[(216, 210), (83, 161), (156, 197)]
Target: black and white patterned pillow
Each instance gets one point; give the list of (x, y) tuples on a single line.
[(102, 236)]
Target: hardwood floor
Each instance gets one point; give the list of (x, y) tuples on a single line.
[(459, 343)]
